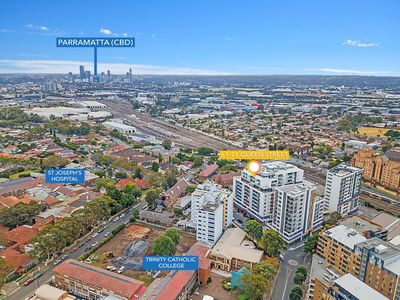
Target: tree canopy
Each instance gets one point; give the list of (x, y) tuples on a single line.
[(20, 214), (254, 229), (272, 243), (163, 246)]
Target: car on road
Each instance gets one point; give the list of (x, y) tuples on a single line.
[(88, 239), (126, 222), (64, 256), (116, 219), (29, 281), (55, 263), (38, 275)]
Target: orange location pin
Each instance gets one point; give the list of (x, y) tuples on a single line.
[(254, 167)]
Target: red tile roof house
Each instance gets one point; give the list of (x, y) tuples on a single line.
[(208, 172), (15, 255), (225, 180), (90, 282), (123, 182), (141, 183), (179, 284), (170, 196)]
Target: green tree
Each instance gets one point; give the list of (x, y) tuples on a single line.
[(20, 214), (272, 243), (254, 286), (205, 151), (311, 243), (163, 246), (302, 270), (299, 278), (167, 144), (151, 197), (170, 179), (254, 229), (197, 162), (138, 173), (173, 234), (191, 188), (296, 293), (135, 215), (121, 175), (54, 161), (266, 270), (155, 166)]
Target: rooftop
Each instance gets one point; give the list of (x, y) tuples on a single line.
[(118, 284), (360, 224), (345, 236), (322, 271), (358, 288), (343, 170), (230, 246)]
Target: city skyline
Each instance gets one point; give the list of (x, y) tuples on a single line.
[(340, 38)]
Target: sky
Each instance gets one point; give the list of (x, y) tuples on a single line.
[(341, 37)]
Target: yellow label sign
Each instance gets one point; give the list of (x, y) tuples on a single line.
[(253, 154)]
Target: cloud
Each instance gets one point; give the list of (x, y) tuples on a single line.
[(354, 43), (106, 31), (37, 27), (62, 66), (353, 72)]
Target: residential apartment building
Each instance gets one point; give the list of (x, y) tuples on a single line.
[(382, 170), (380, 266), (297, 210), (336, 246), (342, 189), (372, 260), (255, 195), (211, 211), (88, 282)]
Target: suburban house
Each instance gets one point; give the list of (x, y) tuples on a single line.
[(170, 196)]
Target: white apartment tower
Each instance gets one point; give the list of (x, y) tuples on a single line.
[(342, 189), (255, 195), (211, 211), (297, 211)]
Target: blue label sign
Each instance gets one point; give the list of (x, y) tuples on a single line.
[(65, 175), (95, 42), (167, 263)]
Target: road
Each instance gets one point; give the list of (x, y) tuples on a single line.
[(294, 257), (24, 291)]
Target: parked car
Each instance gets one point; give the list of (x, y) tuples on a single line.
[(38, 275), (107, 234), (95, 234), (121, 269)]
